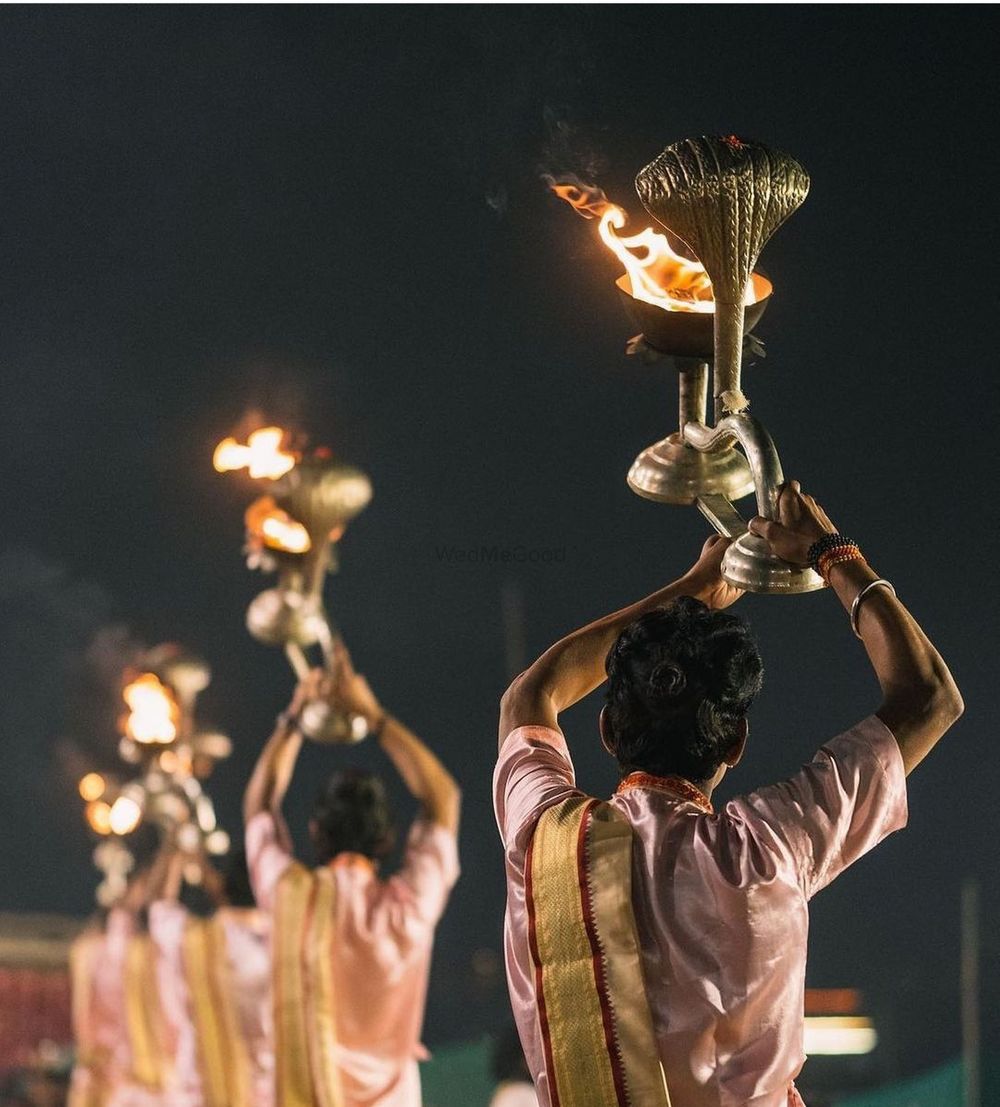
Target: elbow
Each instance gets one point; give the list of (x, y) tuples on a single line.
[(937, 704)]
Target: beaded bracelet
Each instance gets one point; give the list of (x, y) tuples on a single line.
[(827, 542), (837, 557)]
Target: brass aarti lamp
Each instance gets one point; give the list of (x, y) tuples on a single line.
[(293, 530), (724, 197)]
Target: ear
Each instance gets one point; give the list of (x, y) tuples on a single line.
[(604, 726), (734, 755)]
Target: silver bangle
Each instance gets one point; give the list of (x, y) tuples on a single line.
[(856, 606)]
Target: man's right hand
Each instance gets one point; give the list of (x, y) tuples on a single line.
[(801, 521)]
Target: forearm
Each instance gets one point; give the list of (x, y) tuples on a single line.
[(920, 698), (273, 772), (575, 665), (424, 775)]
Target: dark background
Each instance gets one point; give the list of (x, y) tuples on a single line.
[(336, 216)]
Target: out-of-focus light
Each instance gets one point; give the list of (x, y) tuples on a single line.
[(124, 815), (262, 456), (833, 1001), (839, 1035), (169, 761), (99, 816), (153, 711), (217, 842), (91, 786)]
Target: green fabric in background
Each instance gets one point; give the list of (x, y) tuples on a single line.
[(459, 1075), (940, 1087)]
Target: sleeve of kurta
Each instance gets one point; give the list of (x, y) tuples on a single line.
[(835, 809), (533, 773), (267, 859), (430, 870)]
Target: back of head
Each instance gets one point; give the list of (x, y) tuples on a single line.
[(680, 679), (351, 815), (236, 880)]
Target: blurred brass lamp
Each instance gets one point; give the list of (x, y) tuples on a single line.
[(293, 530)]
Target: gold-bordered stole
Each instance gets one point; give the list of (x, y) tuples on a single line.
[(88, 1088), (144, 1020), (596, 1025), (223, 1059), (304, 1002)]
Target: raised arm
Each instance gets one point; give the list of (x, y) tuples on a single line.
[(423, 774), (273, 771), (574, 666), (920, 700)]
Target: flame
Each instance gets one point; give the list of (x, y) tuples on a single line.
[(275, 527), (154, 712), (654, 271), (262, 456), (124, 816), (92, 786)]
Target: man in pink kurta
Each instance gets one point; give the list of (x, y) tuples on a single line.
[(383, 929), (381, 953), (248, 974), (719, 898)]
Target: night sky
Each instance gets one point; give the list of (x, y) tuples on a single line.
[(336, 216)]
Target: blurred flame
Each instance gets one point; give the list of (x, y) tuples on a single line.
[(275, 527), (124, 815), (655, 273), (262, 456), (154, 711), (99, 816), (91, 786)]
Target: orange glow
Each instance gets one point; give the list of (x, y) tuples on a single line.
[(275, 527), (99, 816), (654, 272), (91, 786), (154, 713), (262, 456)]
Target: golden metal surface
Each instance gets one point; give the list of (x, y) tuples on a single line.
[(725, 197)]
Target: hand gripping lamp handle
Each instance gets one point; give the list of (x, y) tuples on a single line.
[(749, 563)]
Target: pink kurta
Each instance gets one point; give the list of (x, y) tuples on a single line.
[(167, 921), (384, 931), (110, 1031), (720, 903), (247, 936)]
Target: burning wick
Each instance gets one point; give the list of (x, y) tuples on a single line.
[(654, 272), (262, 456), (275, 527), (154, 712)]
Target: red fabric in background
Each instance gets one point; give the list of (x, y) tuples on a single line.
[(34, 1007)]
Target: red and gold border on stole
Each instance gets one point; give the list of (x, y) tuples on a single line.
[(143, 1014), (596, 1025), (223, 1059), (91, 1060), (304, 1002)]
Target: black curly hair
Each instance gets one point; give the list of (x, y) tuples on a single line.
[(680, 679), (351, 815)]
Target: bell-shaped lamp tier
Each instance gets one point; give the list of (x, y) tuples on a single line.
[(671, 472)]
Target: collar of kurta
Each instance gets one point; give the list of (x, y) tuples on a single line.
[(677, 786), (351, 861)]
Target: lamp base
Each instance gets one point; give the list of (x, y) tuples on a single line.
[(750, 565), (671, 472)]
